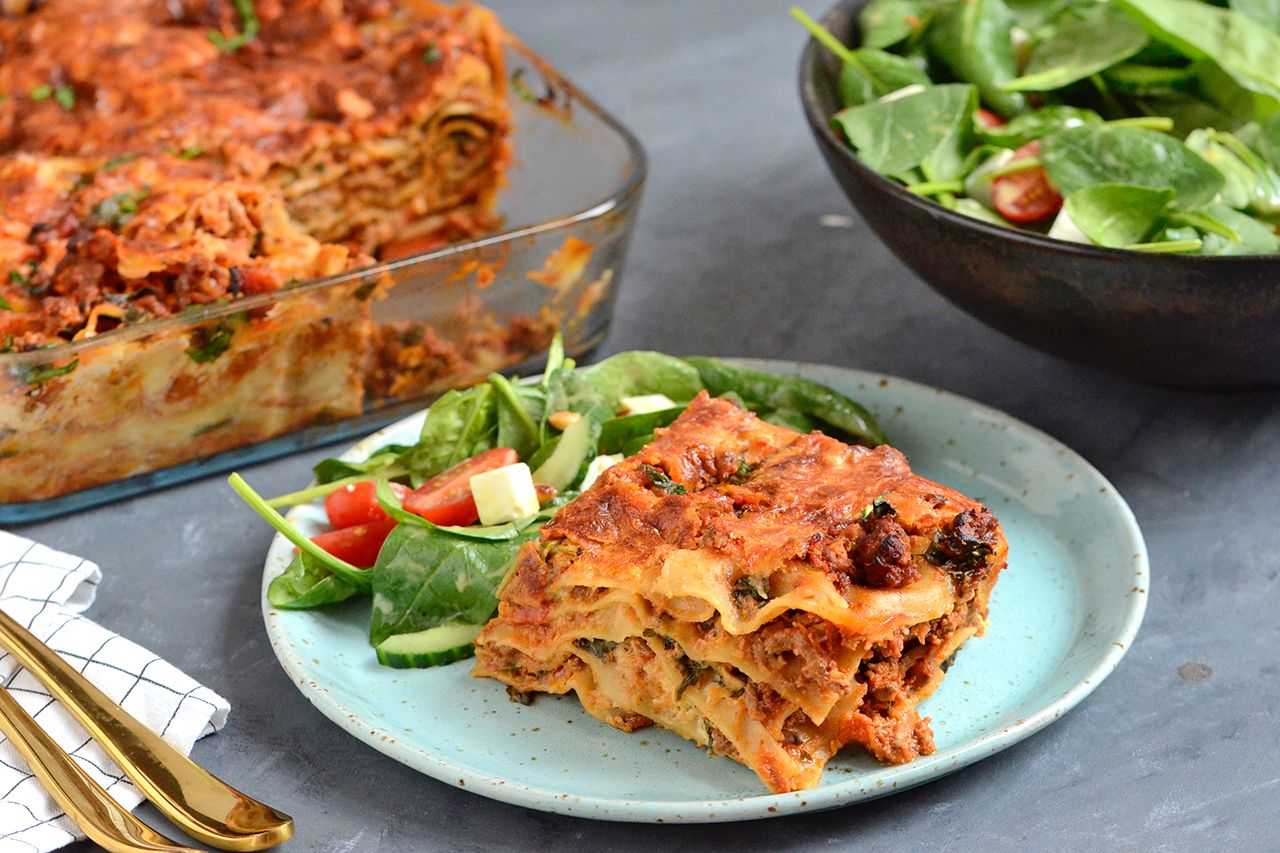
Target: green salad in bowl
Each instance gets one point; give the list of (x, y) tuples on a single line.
[(1151, 125)]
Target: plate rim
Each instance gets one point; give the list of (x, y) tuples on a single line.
[(765, 805)]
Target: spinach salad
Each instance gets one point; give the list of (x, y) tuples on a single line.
[(406, 534), (1138, 124)]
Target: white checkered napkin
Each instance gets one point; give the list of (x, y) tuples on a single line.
[(46, 590)]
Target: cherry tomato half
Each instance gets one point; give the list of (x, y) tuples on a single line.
[(1026, 196), (446, 497), (357, 503), (985, 118), (358, 545)]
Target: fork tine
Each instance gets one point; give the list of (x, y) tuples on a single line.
[(201, 804), (85, 802)]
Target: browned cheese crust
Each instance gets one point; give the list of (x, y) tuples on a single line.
[(144, 169), (770, 595)]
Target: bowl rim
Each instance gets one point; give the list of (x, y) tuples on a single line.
[(809, 69)]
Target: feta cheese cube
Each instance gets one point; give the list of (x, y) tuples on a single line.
[(597, 467), (643, 404), (505, 494), (1065, 229)]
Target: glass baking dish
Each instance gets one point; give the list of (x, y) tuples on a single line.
[(161, 402)]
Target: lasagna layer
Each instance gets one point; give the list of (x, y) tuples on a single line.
[(770, 595)]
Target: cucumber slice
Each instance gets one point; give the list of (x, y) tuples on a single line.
[(576, 447), (432, 647)]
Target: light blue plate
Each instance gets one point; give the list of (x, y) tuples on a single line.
[(1062, 616)]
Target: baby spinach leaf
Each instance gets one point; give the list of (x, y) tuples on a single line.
[(764, 393), (568, 390), (1265, 12), (887, 22), (1135, 78), (972, 37), (977, 210), (1081, 45), (641, 372), (791, 419), (305, 584), (458, 426), (1109, 154), (1036, 124), (1255, 238), (1117, 215), (1031, 15), (520, 411), (877, 73), (355, 577), (895, 137), (424, 578), (1240, 180), (617, 433), (329, 470), (1248, 52), (1265, 139)]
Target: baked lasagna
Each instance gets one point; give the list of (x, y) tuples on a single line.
[(770, 595), (159, 157)]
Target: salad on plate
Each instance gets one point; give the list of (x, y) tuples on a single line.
[(428, 532)]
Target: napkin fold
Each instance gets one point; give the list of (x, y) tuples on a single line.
[(46, 591)]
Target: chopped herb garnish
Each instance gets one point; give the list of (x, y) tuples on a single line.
[(43, 373), (660, 479), (364, 291), (65, 96), (879, 508), (4, 304), (209, 343), (742, 474), (248, 28), (41, 93), (190, 153), (599, 648), (119, 208), (9, 345), (118, 161), (432, 53), (522, 90)]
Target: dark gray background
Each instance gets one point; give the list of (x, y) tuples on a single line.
[(732, 258)]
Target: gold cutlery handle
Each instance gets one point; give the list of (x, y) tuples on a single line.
[(200, 803), (90, 807)]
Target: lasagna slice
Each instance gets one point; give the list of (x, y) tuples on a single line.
[(770, 595)]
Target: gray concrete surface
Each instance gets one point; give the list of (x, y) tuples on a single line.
[(731, 258)]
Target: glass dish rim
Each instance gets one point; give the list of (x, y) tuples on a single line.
[(620, 196)]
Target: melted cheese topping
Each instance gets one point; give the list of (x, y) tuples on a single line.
[(729, 613)]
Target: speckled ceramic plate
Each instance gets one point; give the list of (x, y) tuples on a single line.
[(1062, 616)]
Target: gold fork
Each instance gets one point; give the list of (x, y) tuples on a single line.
[(204, 806), (85, 802)]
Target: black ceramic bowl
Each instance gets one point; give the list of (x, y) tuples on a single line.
[(1187, 320)]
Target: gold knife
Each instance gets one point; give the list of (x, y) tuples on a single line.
[(200, 803), (101, 818)]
